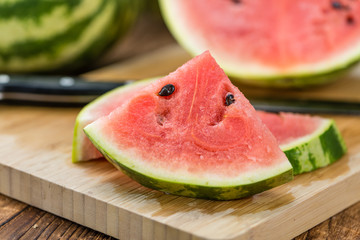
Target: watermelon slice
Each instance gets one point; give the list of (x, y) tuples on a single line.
[(192, 133), (308, 142), (270, 42), (83, 149)]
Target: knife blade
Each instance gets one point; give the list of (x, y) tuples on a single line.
[(306, 106), (60, 90), (77, 91)]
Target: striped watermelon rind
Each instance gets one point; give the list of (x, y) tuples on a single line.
[(317, 150), (189, 187), (44, 36)]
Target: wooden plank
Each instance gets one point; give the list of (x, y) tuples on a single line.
[(10, 209), (24, 221), (36, 146)]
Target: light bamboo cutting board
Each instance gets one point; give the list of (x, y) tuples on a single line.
[(36, 168)]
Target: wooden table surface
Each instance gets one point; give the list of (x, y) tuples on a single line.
[(21, 221)]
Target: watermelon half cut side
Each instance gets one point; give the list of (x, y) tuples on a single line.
[(309, 142), (274, 42), (83, 149), (192, 133)]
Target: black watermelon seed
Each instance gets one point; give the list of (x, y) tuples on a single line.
[(336, 5), (229, 99), (339, 6), (236, 1), (350, 20), (167, 90)]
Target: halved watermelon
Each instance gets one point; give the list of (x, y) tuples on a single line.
[(308, 142), (270, 42), (192, 133)]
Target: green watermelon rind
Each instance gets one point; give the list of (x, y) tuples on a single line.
[(260, 182), (81, 121), (73, 48), (300, 79), (320, 149)]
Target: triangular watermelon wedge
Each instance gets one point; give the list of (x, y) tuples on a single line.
[(200, 138)]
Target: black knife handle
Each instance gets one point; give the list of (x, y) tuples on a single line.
[(54, 85)]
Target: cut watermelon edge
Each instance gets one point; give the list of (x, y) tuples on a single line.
[(325, 124), (83, 118), (316, 150)]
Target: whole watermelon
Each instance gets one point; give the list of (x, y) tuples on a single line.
[(60, 35)]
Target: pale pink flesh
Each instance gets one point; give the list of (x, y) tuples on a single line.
[(287, 127), (277, 33)]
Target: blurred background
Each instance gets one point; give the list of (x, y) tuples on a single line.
[(117, 40)]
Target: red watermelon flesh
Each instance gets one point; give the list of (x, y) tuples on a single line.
[(287, 127), (269, 38), (191, 135), (83, 149)]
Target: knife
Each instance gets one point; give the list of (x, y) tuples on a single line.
[(306, 106), (52, 90), (77, 91)]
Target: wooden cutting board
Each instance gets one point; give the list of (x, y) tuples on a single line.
[(36, 168)]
